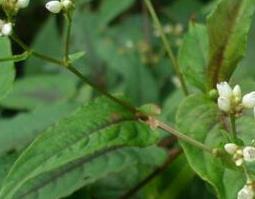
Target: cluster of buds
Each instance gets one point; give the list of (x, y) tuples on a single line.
[(240, 154), (5, 28), (176, 30), (231, 100), (11, 7), (57, 6), (247, 192)]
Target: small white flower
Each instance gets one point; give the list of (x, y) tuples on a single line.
[(168, 28), (239, 162), (129, 44), (230, 148), (237, 93), (224, 89), (178, 29), (54, 6), (22, 3), (245, 193), (248, 100), (224, 104), (67, 4), (249, 154), (6, 29)]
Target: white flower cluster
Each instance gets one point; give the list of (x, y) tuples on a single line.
[(247, 192), (240, 155), (5, 28), (176, 30), (231, 100), (57, 6)]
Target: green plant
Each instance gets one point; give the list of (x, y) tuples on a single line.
[(50, 153)]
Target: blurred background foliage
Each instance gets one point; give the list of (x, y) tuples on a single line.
[(123, 54)]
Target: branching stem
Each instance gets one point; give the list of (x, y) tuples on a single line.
[(167, 46), (131, 108)]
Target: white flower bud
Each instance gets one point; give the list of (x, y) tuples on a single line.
[(224, 90), (22, 3), (178, 29), (248, 100), (168, 28), (249, 154), (245, 193), (224, 104), (6, 29), (237, 92), (67, 4), (54, 6), (230, 148), (239, 162)]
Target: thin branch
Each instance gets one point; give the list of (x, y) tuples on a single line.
[(167, 46), (16, 58), (173, 154), (36, 54), (68, 36), (183, 137)]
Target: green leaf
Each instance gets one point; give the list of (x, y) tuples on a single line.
[(206, 129), (63, 181), (76, 56), (193, 55), (95, 130), (6, 161), (48, 42), (114, 186), (22, 129), (228, 28), (111, 9), (32, 92), (7, 72)]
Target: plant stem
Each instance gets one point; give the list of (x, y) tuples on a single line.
[(131, 108), (72, 69), (167, 46), (68, 35), (173, 154), (16, 58), (36, 54), (183, 137), (233, 126)]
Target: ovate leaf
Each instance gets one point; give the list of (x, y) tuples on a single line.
[(7, 72), (206, 129), (32, 92), (112, 8), (193, 55), (228, 28), (93, 131), (19, 131)]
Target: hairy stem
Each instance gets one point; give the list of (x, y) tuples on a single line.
[(167, 46)]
